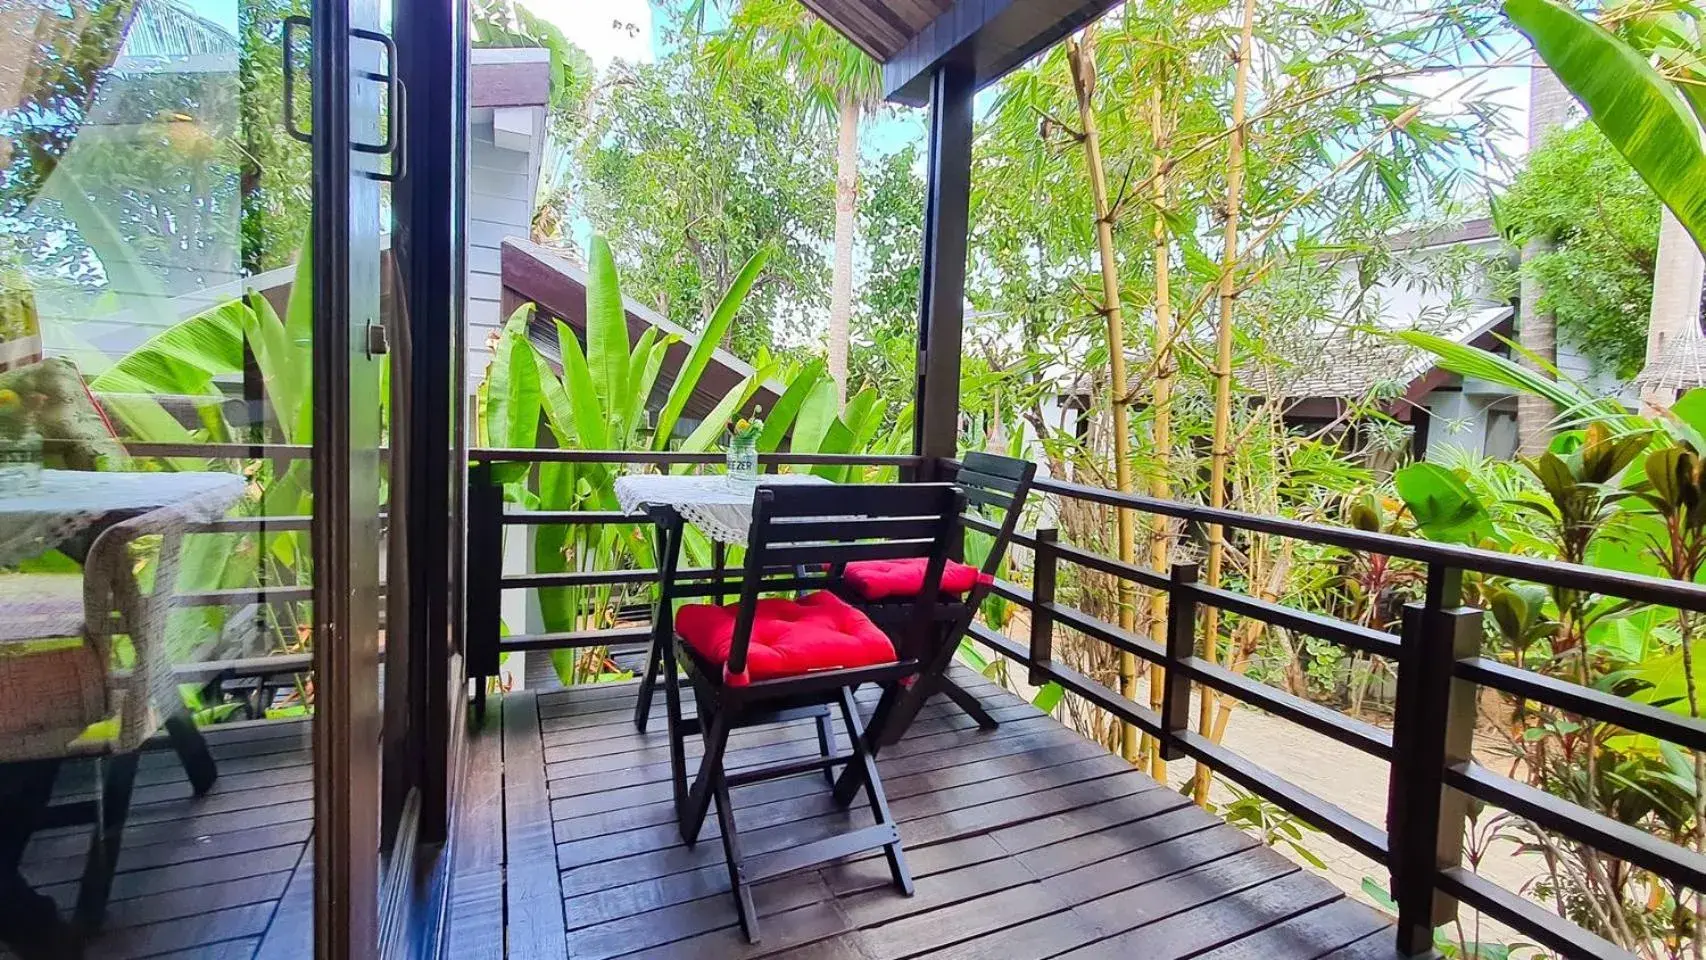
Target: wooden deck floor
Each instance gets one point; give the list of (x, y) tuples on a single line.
[(1026, 842), (219, 877)]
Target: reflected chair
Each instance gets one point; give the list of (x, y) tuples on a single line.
[(995, 490), (769, 656), (67, 696)]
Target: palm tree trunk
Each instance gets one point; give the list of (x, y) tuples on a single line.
[(1221, 451), (1675, 316), (1083, 64), (841, 278), (1537, 330)]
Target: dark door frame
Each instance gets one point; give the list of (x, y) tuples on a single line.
[(428, 205), (345, 529)]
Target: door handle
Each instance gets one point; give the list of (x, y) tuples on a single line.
[(396, 118), (396, 115)]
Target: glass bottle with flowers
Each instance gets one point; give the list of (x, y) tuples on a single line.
[(742, 454)]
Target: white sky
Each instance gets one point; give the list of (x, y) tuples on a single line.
[(606, 29)]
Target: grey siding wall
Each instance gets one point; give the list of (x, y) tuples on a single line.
[(501, 185)]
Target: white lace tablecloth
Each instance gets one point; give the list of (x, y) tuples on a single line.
[(68, 502), (716, 505)]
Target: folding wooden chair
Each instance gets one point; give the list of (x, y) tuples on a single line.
[(776, 657), (995, 488)]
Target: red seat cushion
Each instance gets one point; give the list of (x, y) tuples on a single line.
[(887, 579), (789, 637)]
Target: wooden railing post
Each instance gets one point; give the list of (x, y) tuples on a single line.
[(1042, 596), (1433, 728), (1181, 646), (484, 577)]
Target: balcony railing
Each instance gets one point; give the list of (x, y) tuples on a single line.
[(1437, 656)]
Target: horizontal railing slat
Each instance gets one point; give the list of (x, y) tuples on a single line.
[(1355, 636), (1102, 696), (679, 458), (1333, 820), (1108, 633), (1575, 698), (1631, 586), (1528, 916), (1125, 571), (1675, 863), (574, 638), (1366, 737), (1000, 643), (536, 518)]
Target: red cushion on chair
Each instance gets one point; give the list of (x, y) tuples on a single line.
[(883, 579), (789, 637)]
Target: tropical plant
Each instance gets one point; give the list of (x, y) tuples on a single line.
[(1651, 112), (604, 401), (839, 78), (1600, 224)]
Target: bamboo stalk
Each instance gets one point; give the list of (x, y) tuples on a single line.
[(1080, 58), (1161, 425), (1221, 451)]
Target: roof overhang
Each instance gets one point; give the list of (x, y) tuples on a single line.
[(989, 37), (911, 38)]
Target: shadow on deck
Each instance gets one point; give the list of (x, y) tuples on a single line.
[(219, 877), (1026, 842)]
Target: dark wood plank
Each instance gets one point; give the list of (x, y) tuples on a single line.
[(1219, 921), (783, 933), (293, 919), (1376, 946), (475, 927), (691, 919), (925, 819), (910, 797), (229, 950), (1307, 936), (534, 908), (173, 904), (961, 921), (1026, 841), (183, 933)]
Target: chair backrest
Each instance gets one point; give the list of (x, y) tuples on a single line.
[(801, 526), (995, 489)]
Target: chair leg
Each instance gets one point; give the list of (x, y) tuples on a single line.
[(677, 735), (737, 864), (965, 701), (104, 845), (663, 622), (192, 752), (852, 776), (825, 743), (692, 816), (874, 790), (648, 682)]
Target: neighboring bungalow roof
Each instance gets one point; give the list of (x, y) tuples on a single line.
[(1345, 364), (532, 273), (1356, 363)]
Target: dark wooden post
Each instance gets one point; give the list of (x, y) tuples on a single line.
[(941, 316), (1433, 728), (484, 577), (1042, 595), (1181, 646)]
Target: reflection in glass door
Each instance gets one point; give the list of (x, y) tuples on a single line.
[(191, 473)]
